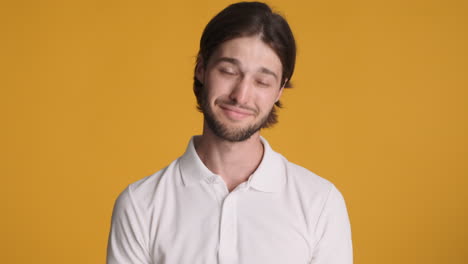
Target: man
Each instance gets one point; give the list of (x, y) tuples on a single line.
[(230, 198)]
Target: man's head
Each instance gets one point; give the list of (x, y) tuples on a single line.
[(246, 20)]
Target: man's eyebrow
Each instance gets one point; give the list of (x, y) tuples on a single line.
[(228, 59), (267, 71)]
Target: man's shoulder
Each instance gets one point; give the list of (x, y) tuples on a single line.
[(305, 179), (143, 190)]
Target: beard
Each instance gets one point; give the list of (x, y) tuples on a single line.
[(234, 134)]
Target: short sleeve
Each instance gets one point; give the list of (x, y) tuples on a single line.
[(127, 243), (333, 232)]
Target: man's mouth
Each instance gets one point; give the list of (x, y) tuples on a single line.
[(236, 113)]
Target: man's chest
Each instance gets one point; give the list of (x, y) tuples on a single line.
[(243, 226)]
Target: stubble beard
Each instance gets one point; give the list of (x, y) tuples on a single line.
[(232, 134)]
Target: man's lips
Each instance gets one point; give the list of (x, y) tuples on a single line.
[(235, 112)]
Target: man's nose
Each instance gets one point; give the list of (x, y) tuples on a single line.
[(241, 91)]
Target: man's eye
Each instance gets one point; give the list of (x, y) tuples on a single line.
[(263, 83), (227, 71)]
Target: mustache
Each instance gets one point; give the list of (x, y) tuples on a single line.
[(235, 104)]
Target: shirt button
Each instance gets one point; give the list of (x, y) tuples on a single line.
[(212, 179)]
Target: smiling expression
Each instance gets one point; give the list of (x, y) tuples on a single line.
[(242, 81)]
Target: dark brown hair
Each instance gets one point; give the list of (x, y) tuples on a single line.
[(248, 19)]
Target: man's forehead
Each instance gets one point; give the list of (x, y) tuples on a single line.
[(247, 50)]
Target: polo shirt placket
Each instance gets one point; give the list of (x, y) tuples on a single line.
[(228, 229)]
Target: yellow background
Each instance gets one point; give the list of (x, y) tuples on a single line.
[(98, 94)]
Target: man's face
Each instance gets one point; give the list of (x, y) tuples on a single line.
[(241, 83)]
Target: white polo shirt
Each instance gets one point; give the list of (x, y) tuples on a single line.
[(184, 214)]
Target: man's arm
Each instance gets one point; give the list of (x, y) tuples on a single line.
[(127, 243), (333, 232)]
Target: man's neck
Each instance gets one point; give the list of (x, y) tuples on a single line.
[(233, 161)]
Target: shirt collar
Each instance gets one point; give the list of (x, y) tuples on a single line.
[(191, 167), (270, 176)]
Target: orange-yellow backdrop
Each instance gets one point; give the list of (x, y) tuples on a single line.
[(97, 94)]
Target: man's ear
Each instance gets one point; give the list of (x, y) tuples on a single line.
[(200, 71)]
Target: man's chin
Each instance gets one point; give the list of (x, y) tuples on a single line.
[(236, 137), (232, 130), (234, 133)]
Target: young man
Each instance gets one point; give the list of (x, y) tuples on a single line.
[(230, 198)]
